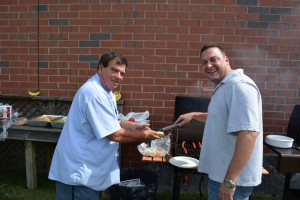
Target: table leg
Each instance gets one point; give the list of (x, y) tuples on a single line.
[(30, 165), (50, 147)]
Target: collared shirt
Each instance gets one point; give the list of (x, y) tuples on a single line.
[(235, 106), (84, 155)]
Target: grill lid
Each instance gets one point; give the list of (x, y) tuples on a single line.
[(293, 129), (185, 104)]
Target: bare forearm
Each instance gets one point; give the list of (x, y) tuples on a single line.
[(186, 118), (200, 116), (126, 135), (125, 139), (243, 150), (126, 124)]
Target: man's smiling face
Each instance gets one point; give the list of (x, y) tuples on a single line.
[(214, 64), (112, 75)]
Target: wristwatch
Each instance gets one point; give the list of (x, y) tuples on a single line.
[(229, 183)]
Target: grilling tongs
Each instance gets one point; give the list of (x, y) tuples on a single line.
[(168, 127)]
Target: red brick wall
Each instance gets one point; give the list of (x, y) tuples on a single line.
[(57, 49)]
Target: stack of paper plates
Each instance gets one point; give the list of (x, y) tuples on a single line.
[(279, 141)]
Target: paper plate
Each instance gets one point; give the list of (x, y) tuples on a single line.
[(184, 162), (279, 141)]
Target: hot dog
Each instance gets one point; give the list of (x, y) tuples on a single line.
[(183, 147)]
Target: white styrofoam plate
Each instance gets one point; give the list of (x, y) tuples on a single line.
[(279, 141), (184, 162)]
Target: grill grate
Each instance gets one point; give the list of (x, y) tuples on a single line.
[(190, 149), (187, 140)]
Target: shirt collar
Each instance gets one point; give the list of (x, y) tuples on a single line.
[(228, 77), (98, 79)]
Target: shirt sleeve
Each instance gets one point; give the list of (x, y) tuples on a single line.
[(243, 104), (102, 117)]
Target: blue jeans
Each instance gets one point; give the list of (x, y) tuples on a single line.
[(240, 193), (75, 192)]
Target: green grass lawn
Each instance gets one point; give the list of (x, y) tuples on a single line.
[(13, 187)]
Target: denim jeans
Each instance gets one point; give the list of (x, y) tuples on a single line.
[(240, 193), (75, 192)]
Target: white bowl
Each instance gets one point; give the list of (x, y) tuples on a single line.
[(279, 141)]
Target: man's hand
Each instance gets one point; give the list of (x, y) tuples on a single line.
[(226, 193), (184, 119), (150, 135)]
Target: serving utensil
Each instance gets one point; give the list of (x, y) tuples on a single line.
[(168, 127)]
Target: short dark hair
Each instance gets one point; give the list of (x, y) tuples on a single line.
[(205, 47), (111, 55)]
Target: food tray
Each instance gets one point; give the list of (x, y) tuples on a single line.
[(58, 123), (43, 120)]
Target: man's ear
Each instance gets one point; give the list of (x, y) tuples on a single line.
[(100, 66)]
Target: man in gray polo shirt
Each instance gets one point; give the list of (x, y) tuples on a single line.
[(232, 145)]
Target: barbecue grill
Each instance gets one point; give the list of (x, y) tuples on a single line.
[(187, 140), (288, 161)]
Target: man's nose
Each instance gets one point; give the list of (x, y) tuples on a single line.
[(208, 66), (209, 63), (119, 75)]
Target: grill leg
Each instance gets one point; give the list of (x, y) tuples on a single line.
[(285, 195), (176, 183), (200, 183)]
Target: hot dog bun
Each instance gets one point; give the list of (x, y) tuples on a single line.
[(160, 133)]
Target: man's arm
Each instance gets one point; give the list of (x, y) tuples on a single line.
[(186, 118), (133, 132), (200, 116), (243, 150), (132, 125)]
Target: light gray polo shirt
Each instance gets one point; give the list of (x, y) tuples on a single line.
[(235, 105)]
